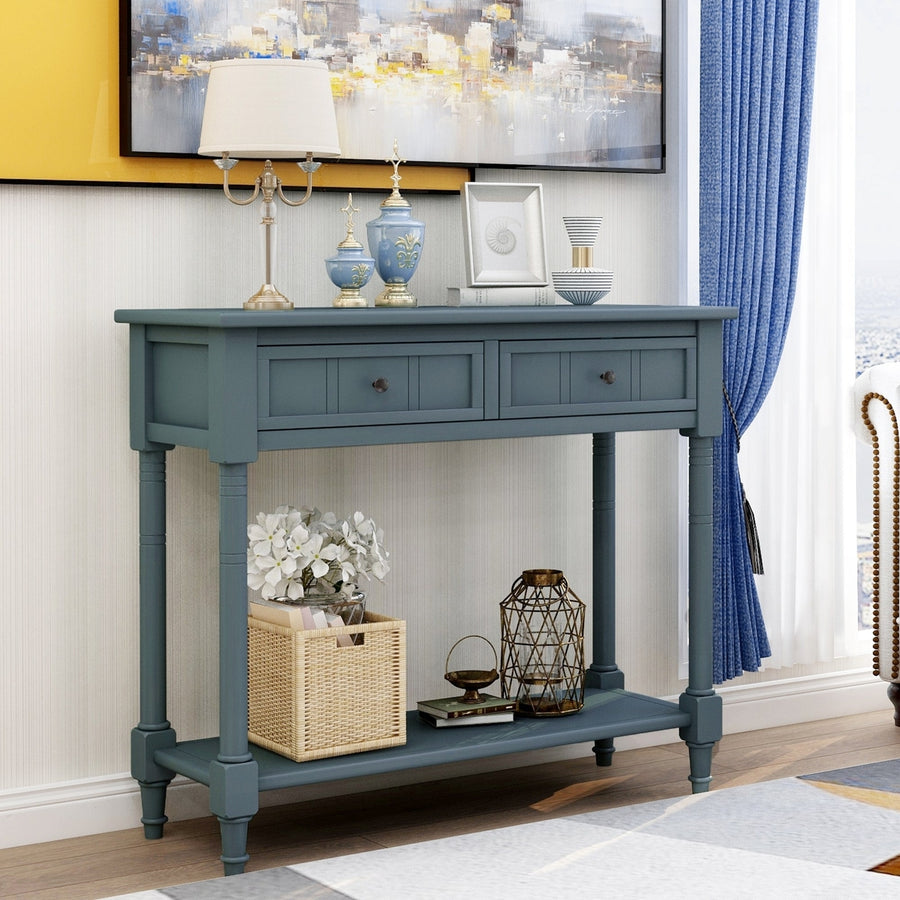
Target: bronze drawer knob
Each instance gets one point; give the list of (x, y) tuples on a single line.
[(380, 385), (609, 377)]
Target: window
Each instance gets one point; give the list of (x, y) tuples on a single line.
[(877, 239)]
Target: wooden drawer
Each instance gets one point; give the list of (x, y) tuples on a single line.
[(593, 377), (369, 384)]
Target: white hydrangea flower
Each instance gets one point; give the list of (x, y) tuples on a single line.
[(294, 551)]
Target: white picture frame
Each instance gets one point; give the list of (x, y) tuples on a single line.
[(503, 230)]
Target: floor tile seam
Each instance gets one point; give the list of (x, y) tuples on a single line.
[(871, 769), (464, 818), (142, 895), (687, 842), (811, 746), (67, 879), (815, 779), (573, 818), (679, 847), (725, 845), (578, 821), (376, 845), (817, 765), (248, 886), (643, 830), (295, 869)]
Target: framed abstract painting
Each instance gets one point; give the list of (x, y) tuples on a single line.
[(538, 83)]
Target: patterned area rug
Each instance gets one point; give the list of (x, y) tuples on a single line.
[(811, 837)]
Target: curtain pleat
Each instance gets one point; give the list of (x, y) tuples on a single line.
[(756, 78)]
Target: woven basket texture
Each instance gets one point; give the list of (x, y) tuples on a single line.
[(311, 698)]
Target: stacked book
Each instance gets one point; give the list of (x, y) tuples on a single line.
[(529, 295), (451, 711), (300, 618)]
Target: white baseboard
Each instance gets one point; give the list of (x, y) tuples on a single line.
[(112, 803), (794, 700)]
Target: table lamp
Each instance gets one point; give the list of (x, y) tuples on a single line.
[(269, 109)]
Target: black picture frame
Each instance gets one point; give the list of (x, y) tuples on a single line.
[(539, 84)]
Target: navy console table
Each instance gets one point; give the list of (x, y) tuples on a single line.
[(236, 382)]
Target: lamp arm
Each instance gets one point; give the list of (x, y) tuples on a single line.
[(310, 168), (226, 165)]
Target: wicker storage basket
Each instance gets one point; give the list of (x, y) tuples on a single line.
[(311, 698)]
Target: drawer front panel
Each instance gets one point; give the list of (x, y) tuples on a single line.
[(180, 385), (604, 375), (593, 377), (332, 386), (295, 384), (372, 384)]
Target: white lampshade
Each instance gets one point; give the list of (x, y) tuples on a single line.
[(269, 109)]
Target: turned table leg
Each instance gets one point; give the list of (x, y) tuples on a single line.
[(603, 672), (153, 732), (700, 700), (234, 777)]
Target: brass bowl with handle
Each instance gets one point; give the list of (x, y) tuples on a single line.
[(471, 680)]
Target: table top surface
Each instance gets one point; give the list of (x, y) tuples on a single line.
[(227, 318)]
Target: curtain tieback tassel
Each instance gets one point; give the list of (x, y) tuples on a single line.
[(753, 545)]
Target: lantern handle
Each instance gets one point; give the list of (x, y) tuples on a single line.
[(483, 638)]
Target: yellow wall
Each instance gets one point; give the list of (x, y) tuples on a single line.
[(59, 110)]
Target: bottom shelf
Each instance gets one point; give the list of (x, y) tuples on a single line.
[(606, 714)]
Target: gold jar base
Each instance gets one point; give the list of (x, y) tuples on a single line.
[(349, 298), (396, 295)]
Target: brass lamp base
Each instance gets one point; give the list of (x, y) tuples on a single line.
[(395, 295), (268, 297)]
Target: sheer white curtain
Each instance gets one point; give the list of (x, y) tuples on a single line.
[(797, 457)]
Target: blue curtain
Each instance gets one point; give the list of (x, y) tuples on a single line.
[(756, 77)]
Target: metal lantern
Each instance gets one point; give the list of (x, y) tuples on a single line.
[(542, 645)]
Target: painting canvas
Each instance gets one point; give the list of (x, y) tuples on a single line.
[(540, 83)]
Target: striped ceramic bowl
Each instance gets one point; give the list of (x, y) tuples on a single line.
[(582, 298), (582, 286)]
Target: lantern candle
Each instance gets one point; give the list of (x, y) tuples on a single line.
[(542, 645)]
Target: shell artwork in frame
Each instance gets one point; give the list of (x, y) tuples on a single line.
[(503, 230), (500, 234)]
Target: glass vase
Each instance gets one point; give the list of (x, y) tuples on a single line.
[(351, 608)]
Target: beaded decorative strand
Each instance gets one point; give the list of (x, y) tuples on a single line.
[(876, 540)]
